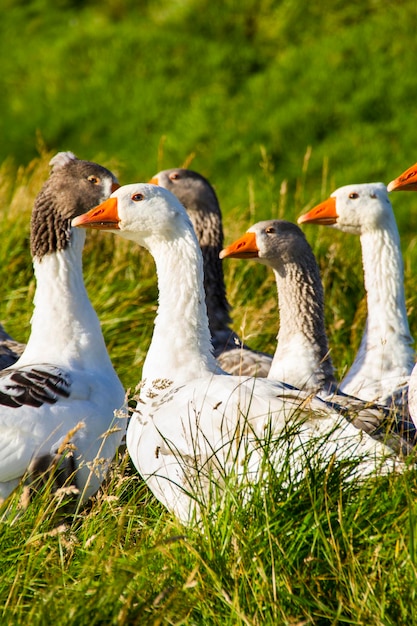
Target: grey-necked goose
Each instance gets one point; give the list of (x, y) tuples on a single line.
[(302, 354)]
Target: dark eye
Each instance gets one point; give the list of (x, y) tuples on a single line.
[(270, 230), (373, 195), (174, 176), (137, 197), (353, 195), (93, 179)]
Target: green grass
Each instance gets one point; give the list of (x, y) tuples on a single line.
[(319, 552), (277, 103), (322, 551)]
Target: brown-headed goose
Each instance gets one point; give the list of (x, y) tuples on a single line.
[(194, 425), (198, 197), (386, 356), (58, 401)]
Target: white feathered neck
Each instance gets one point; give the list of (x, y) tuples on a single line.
[(181, 347), (65, 328), (387, 333)]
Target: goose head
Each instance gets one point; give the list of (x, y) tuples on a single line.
[(140, 212), (73, 187), (407, 181), (353, 209), (271, 242), (192, 190)]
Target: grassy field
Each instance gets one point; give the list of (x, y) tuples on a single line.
[(324, 551), (278, 103)]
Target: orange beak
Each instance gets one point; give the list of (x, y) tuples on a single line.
[(104, 216), (323, 213), (407, 181), (154, 181), (243, 248)]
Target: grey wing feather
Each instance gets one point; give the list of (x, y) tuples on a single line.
[(33, 386), (240, 361)]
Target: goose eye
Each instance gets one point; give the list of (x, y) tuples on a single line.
[(270, 230), (353, 195), (137, 197), (93, 179), (174, 176)]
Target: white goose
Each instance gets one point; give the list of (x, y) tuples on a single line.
[(200, 201), (194, 424), (386, 357), (63, 391)]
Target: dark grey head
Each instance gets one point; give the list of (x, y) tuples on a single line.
[(191, 188), (73, 187), (280, 242)]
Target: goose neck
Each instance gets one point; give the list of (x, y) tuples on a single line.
[(181, 345), (64, 323), (302, 329), (384, 280)]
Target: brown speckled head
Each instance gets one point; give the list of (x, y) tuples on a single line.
[(73, 187)]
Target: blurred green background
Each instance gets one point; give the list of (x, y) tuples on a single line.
[(240, 90)]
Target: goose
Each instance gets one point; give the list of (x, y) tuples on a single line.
[(383, 364), (302, 356), (407, 181), (194, 424), (198, 197), (10, 350), (58, 401)]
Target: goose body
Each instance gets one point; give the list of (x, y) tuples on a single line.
[(193, 424), (386, 356), (60, 397), (198, 197)]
